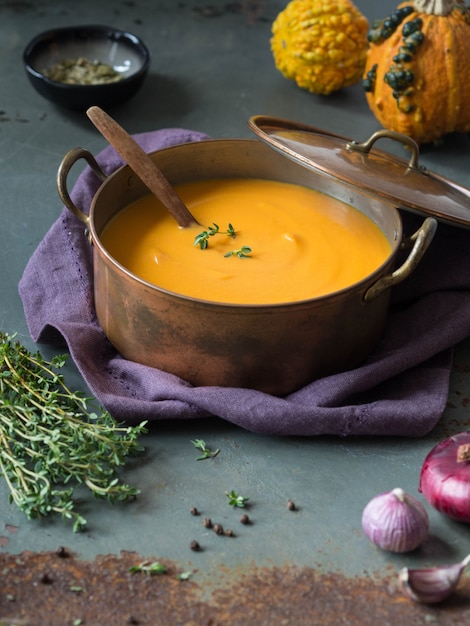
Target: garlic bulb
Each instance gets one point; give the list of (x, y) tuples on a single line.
[(431, 585), (395, 521)]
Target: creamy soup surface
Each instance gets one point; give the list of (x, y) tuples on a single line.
[(303, 243)]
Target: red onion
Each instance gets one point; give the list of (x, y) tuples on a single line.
[(445, 477), (395, 521)]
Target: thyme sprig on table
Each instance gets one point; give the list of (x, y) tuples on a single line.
[(50, 438), (149, 568), (236, 500), (207, 453)]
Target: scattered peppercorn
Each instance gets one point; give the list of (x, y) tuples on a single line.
[(62, 552), (291, 505), (218, 529), (207, 522), (193, 510), (229, 533), (194, 545), (244, 519), (46, 579)]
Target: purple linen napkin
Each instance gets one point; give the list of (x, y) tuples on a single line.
[(400, 390)]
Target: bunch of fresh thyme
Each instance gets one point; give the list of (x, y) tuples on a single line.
[(49, 438)]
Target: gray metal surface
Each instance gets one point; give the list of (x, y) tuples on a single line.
[(211, 70)]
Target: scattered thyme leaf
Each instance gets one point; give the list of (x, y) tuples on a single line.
[(207, 453), (151, 569), (202, 239), (49, 438), (236, 500), (184, 576), (243, 253)]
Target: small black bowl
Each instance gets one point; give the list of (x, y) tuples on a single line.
[(126, 53)]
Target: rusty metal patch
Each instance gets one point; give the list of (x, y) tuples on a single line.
[(58, 589)]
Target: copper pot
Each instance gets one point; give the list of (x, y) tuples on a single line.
[(274, 348)]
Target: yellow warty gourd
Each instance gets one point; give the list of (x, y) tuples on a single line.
[(320, 44)]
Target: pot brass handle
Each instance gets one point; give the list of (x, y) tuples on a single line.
[(388, 134), (420, 240), (68, 162)]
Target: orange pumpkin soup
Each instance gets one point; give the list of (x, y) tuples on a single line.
[(290, 243)]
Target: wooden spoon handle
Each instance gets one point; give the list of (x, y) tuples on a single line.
[(142, 165)]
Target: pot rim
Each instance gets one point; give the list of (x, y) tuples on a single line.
[(360, 286)]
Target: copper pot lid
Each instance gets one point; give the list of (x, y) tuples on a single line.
[(403, 184)]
